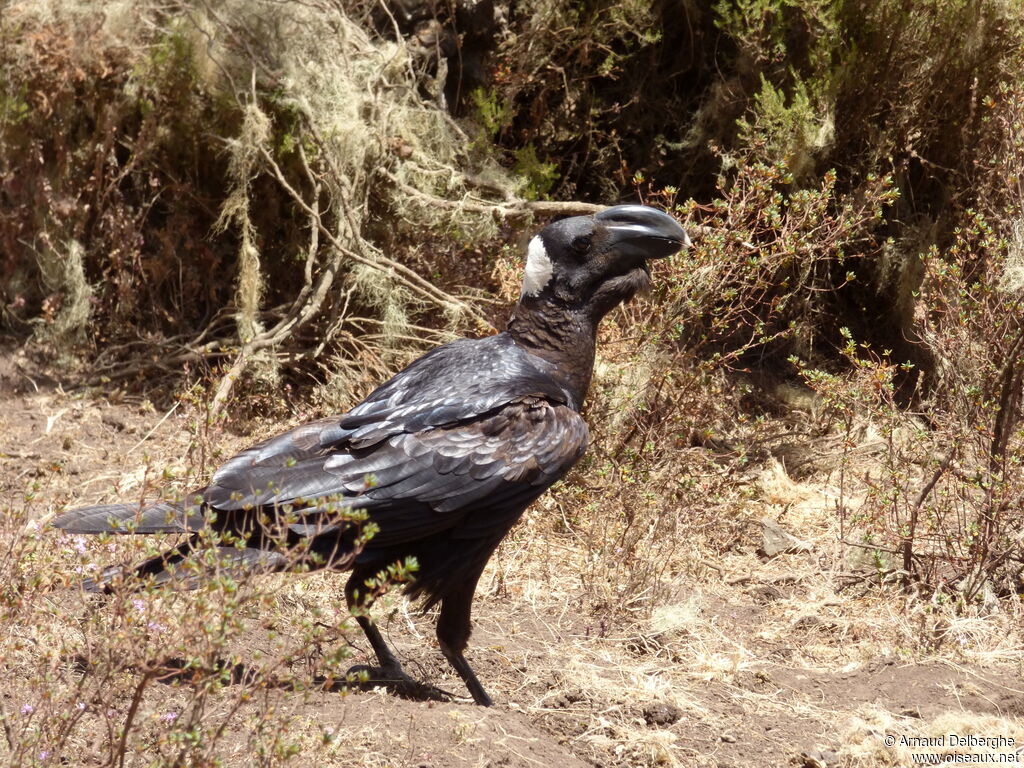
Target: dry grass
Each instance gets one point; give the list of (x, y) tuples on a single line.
[(690, 669)]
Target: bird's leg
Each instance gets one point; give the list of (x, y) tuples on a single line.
[(390, 672), (358, 606), (453, 630)]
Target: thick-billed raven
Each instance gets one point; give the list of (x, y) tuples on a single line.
[(455, 447)]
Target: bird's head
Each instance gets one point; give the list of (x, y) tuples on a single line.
[(595, 262)]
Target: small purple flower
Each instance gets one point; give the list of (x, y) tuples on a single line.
[(28, 709), (79, 545), (139, 604), (168, 717), (80, 706), (156, 628), (44, 754)]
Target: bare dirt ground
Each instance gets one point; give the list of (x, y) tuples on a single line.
[(746, 662)]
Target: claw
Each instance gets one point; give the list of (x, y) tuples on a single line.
[(393, 677)]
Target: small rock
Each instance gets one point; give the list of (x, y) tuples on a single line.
[(728, 738), (816, 758), (662, 713), (776, 540), (808, 623), (765, 593), (113, 421), (566, 699)]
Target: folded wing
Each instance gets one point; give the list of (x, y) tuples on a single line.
[(475, 473)]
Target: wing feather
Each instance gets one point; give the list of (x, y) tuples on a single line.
[(159, 517), (474, 428), (491, 465)]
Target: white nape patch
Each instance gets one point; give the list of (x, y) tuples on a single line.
[(538, 268)]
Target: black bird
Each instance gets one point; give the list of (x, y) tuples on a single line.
[(457, 445)]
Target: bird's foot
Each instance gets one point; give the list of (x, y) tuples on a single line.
[(394, 678)]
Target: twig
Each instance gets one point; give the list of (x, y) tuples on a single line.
[(130, 717), (872, 547), (6, 728), (155, 428), (1008, 414), (507, 210), (908, 542), (406, 276), (227, 381)]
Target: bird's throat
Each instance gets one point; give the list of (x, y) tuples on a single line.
[(563, 338)]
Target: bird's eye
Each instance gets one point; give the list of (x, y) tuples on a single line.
[(581, 244)]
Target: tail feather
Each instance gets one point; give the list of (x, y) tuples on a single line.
[(161, 517), (187, 568)]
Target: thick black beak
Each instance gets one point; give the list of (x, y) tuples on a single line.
[(642, 232)]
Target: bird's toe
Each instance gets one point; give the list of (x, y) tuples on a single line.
[(394, 678), (386, 673)]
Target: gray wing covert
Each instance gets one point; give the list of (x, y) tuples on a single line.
[(454, 386), (478, 475), (461, 380), (489, 467), (280, 470)]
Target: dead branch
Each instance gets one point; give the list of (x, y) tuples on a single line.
[(515, 209)]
